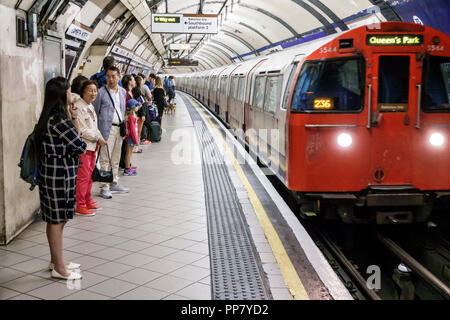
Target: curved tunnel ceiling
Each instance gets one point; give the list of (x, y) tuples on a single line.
[(247, 28)]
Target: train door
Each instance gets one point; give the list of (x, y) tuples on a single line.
[(207, 86), (222, 108), (269, 141), (210, 87), (229, 92), (288, 82), (234, 101), (392, 121), (248, 97)]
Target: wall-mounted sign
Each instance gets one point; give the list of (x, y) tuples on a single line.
[(166, 19), (395, 40), (121, 51), (124, 52), (71, 43), (185, 23), (183, 62), (79, 31)]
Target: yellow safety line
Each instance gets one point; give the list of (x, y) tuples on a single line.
[(287, 269)]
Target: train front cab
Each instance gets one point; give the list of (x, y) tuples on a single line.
[(369, 125)]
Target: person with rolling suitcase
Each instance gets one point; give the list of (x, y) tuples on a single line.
[(160, 98), (161, 103)]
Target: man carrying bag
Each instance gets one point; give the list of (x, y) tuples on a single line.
[(110, 109)]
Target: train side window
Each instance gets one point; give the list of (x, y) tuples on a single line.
[(287, 91), (223, 85), (214, 83), (241, 87), (272, 93), (436, 93), (248, 94), (234, 87), (334, 85), (258, 91)]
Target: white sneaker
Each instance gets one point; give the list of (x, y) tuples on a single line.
[(117, 188), (106, 194)]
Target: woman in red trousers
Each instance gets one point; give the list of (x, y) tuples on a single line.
[(87, 122)]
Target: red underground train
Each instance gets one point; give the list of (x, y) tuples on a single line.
[(364, 120)]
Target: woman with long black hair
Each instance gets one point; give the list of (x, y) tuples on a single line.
[(60, 148)]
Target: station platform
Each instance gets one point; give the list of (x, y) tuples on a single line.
[(194, 226)]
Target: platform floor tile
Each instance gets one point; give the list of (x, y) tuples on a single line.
[(150, 243)]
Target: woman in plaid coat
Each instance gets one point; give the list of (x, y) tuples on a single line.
[(61, 147)]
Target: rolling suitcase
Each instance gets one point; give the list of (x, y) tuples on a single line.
[(155, 131)]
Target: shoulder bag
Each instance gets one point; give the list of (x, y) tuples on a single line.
[(103, 175)]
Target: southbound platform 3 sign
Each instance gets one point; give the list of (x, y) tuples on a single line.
[(185, 23)]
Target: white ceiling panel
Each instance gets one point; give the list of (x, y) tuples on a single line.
[(88, 13)]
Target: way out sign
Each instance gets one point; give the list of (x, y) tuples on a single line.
[(185, 23)]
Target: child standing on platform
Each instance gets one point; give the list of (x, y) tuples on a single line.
[(131, 137)]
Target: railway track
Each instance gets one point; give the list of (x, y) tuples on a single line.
[(402, 276)]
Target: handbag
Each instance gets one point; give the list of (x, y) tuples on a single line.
[(103, 175), (122, 126)]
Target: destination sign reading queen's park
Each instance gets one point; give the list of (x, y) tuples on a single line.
[(395, 40)]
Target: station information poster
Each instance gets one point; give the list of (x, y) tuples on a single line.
[(185, 23)]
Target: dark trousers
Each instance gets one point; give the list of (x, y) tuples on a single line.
[(171, 95), (146, 129), (122, 154), (160, 114)]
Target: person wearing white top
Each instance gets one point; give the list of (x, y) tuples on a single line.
[(87, 122)]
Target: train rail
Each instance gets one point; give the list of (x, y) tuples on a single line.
[(349, 269), (413, 265)]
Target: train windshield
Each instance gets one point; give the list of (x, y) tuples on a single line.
[(330, 85), (393, 83), (436, 84)]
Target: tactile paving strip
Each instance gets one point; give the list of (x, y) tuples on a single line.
[(236, 270)]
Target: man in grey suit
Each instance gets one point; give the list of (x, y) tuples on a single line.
[(110, 109)]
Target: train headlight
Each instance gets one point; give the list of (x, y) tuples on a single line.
[(437, 139), (344, 140)]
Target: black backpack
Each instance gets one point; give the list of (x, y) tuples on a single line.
[(29, 162)]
